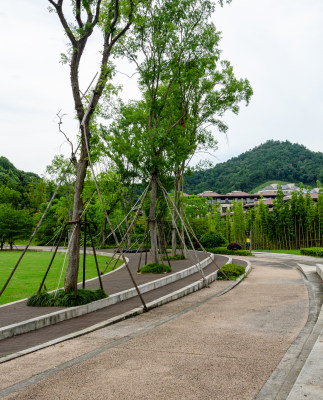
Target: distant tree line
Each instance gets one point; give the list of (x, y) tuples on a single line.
[(291, 224)]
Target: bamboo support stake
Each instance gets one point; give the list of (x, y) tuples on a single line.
[(52, 259), (110, 225)]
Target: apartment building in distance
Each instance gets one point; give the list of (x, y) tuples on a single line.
[(268, 194)]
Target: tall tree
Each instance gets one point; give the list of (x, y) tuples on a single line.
[(183, 86), (114, 18)]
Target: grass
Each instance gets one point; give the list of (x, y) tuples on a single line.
[(297, 252), (31, 270)]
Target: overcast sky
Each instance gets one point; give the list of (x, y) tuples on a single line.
[(276, 44)]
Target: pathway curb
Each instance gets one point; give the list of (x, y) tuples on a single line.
[(309, 383)]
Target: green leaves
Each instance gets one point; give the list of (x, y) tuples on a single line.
[(184, 87), (14, 224)]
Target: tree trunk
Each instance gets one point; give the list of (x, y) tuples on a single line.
[(74, 250), (175, 215), (152, 219), (161, 235), (104, 232)]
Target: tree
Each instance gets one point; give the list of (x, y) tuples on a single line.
[(36, 194), (114, 18), (10, 196), (177, 76), (14, 224)]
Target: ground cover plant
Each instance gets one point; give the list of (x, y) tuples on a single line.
[(173, 258), (66, 299), (224, 250), (154, 268), (232, 271), (30, 272), (312, 251)]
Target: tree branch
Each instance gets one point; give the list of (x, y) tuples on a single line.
[(78, 13), (61, 16)]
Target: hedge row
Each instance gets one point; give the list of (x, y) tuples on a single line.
[(224, 250), (313, 251)]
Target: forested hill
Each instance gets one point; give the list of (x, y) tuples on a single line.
[(273, 160), (12, 177)]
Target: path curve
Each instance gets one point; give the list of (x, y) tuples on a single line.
[(199, 347)]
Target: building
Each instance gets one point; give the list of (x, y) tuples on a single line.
[(268, 195)]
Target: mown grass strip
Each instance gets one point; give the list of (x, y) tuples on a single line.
[(30, 272)]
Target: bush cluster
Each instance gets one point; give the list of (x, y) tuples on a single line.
[(173, 258), (234, 246), (224, 250), (312, 251), (65, 299), (232, 271), (212, 239), (155, 268)]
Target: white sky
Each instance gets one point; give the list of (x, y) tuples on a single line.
[(276, 44)]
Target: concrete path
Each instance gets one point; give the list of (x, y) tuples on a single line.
[(199, 347), (13, 316)]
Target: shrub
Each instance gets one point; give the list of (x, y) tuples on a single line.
[(212, 239), (173, 258), (234, 246), (65, 299), (232, 271), (224, 250), (155, 269), (312, 251)]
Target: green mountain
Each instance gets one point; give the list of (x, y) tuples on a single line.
[(12, 177), (271, 161)]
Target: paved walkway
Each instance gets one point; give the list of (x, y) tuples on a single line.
[(112, 283), (199, 347)]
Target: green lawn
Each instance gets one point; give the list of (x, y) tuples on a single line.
[(31, 270), (282, 251)]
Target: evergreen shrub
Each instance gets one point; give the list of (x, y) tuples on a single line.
[(232, 271), (224, 250), (312, 251), (212, 239), (155, 268), (65, 299)]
